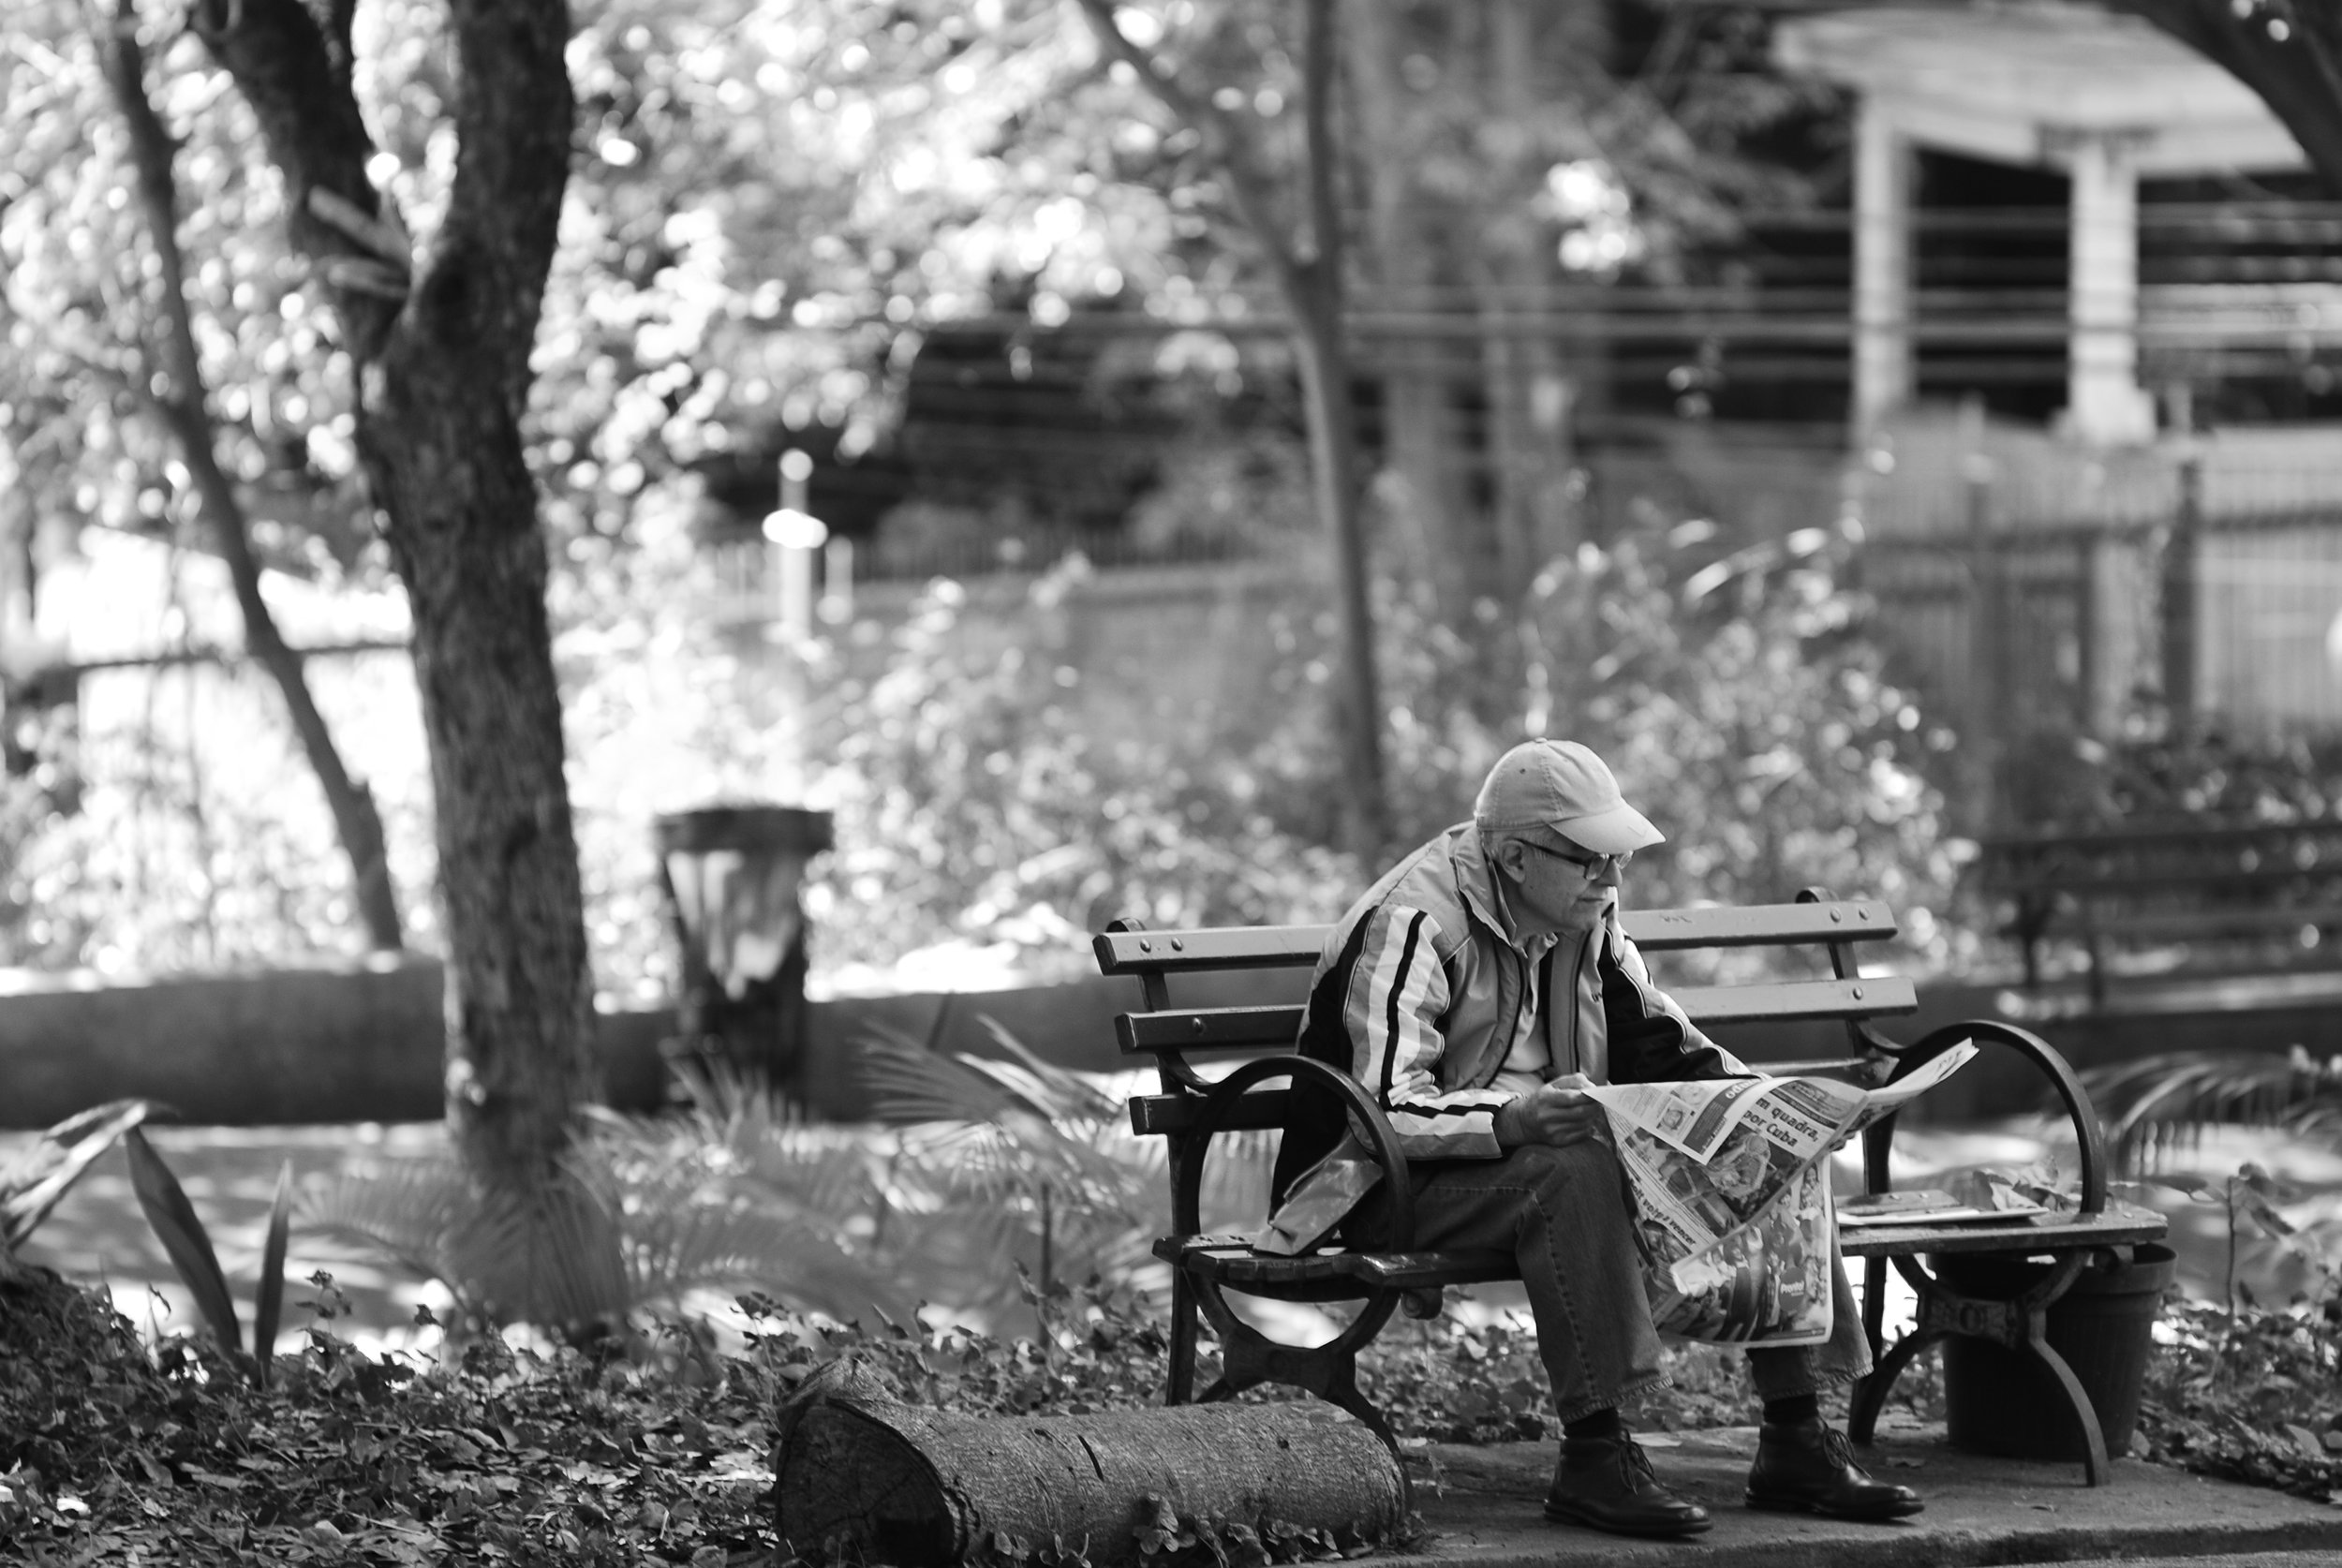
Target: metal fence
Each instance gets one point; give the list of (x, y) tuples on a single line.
[(2020, 631)]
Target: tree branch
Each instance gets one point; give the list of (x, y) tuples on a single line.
[(183, 406), (1223, 145), (297, 79), (2299, 77)]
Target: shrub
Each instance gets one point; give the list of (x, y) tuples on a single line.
[(1736, 696)]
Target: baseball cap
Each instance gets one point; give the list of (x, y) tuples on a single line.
[(1563, 786)]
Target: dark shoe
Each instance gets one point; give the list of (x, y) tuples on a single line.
[(1608, 1483), (1809, 1468)]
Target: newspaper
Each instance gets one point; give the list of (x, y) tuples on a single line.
[(1731, 1193)]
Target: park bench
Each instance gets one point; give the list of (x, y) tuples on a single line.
[(1191, 1110), (2237, 898)]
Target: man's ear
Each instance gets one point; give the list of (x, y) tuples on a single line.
[(1508, 854)]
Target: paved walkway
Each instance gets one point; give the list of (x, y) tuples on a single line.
[(1484, 1507)]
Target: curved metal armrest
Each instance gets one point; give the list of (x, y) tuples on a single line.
[(1188, 1178), (2075, 1100)]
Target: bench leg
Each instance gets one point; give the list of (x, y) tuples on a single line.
[(2021, 1323), (2096, 1470), (1184, 1327), (1870, 1394), (1329, 1373)]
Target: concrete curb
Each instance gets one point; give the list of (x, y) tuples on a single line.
[(1484, 1508)]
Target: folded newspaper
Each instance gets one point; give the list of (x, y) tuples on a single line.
[(1732, 1193)]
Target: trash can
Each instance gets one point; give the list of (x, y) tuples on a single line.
[(2005, 1402), (732, 875)]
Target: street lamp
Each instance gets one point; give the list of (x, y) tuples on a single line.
[(733, 876)]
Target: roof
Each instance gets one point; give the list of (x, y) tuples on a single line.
[(2020, 81)]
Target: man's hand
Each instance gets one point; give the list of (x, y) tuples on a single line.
[(1560, 1113)]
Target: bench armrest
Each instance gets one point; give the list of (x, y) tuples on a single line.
[(1187, 1177), (2075, 1100)]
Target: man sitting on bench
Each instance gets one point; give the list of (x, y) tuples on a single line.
[(1476, 990)]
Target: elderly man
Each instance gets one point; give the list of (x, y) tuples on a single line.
[(1476, 990)]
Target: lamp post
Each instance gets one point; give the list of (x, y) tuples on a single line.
[(732, 877)]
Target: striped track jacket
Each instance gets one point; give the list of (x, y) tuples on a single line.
[(1420, 994)]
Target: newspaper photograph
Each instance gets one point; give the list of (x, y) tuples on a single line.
[(1732, 1195)]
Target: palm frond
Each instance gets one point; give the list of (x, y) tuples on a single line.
[(1057, 1092), (2156, 1104), (40, 1175), (833, 1173), (550, 1255), (408, 1210), (911, 1082), (674, 1251)]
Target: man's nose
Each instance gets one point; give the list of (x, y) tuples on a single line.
[(1609, 874)]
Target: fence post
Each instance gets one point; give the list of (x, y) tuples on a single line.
[(2182, 554), (1988, 636)]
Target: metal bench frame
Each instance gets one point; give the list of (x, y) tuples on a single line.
[(1192, 1110)]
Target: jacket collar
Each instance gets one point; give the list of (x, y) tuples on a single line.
[(1475, 882)]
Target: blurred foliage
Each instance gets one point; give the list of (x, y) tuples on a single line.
[(1734, 694), (2155, 772), (770, 207)]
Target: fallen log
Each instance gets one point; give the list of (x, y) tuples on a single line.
[(914, 1487)]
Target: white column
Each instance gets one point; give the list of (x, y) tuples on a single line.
[(2104, 403), (1883, 374)]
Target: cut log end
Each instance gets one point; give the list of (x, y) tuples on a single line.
[(921, 1489), (845, 1476)]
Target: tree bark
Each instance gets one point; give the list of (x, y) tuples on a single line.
[(443, 374), (180, 398), (914, 1487)]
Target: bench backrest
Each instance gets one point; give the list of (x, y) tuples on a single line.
[(1168, 1034), (2243, 861)]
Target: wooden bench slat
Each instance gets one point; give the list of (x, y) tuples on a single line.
[(1209, 1029), (1787, 1000), (1242, 1029), (1853, 920), (1263, 947), (2210, 923), (1230, 1259), (1859, 920), (2082, 882), (2028, 846), (1153, 1114), (2044, 1233)]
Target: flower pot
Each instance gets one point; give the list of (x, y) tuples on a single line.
[(1999, 1401)]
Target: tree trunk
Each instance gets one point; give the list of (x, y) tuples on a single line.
[(183, 400), (912, 1487), (1426, 512), (1309, 279), (443, 376), (1315, 295), (1530, 393)]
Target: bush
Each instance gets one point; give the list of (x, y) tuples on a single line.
[(1737, 698)]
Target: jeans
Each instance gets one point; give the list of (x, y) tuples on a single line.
[(1564, 1215)]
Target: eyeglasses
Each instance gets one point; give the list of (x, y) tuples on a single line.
[(1589, 866)]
